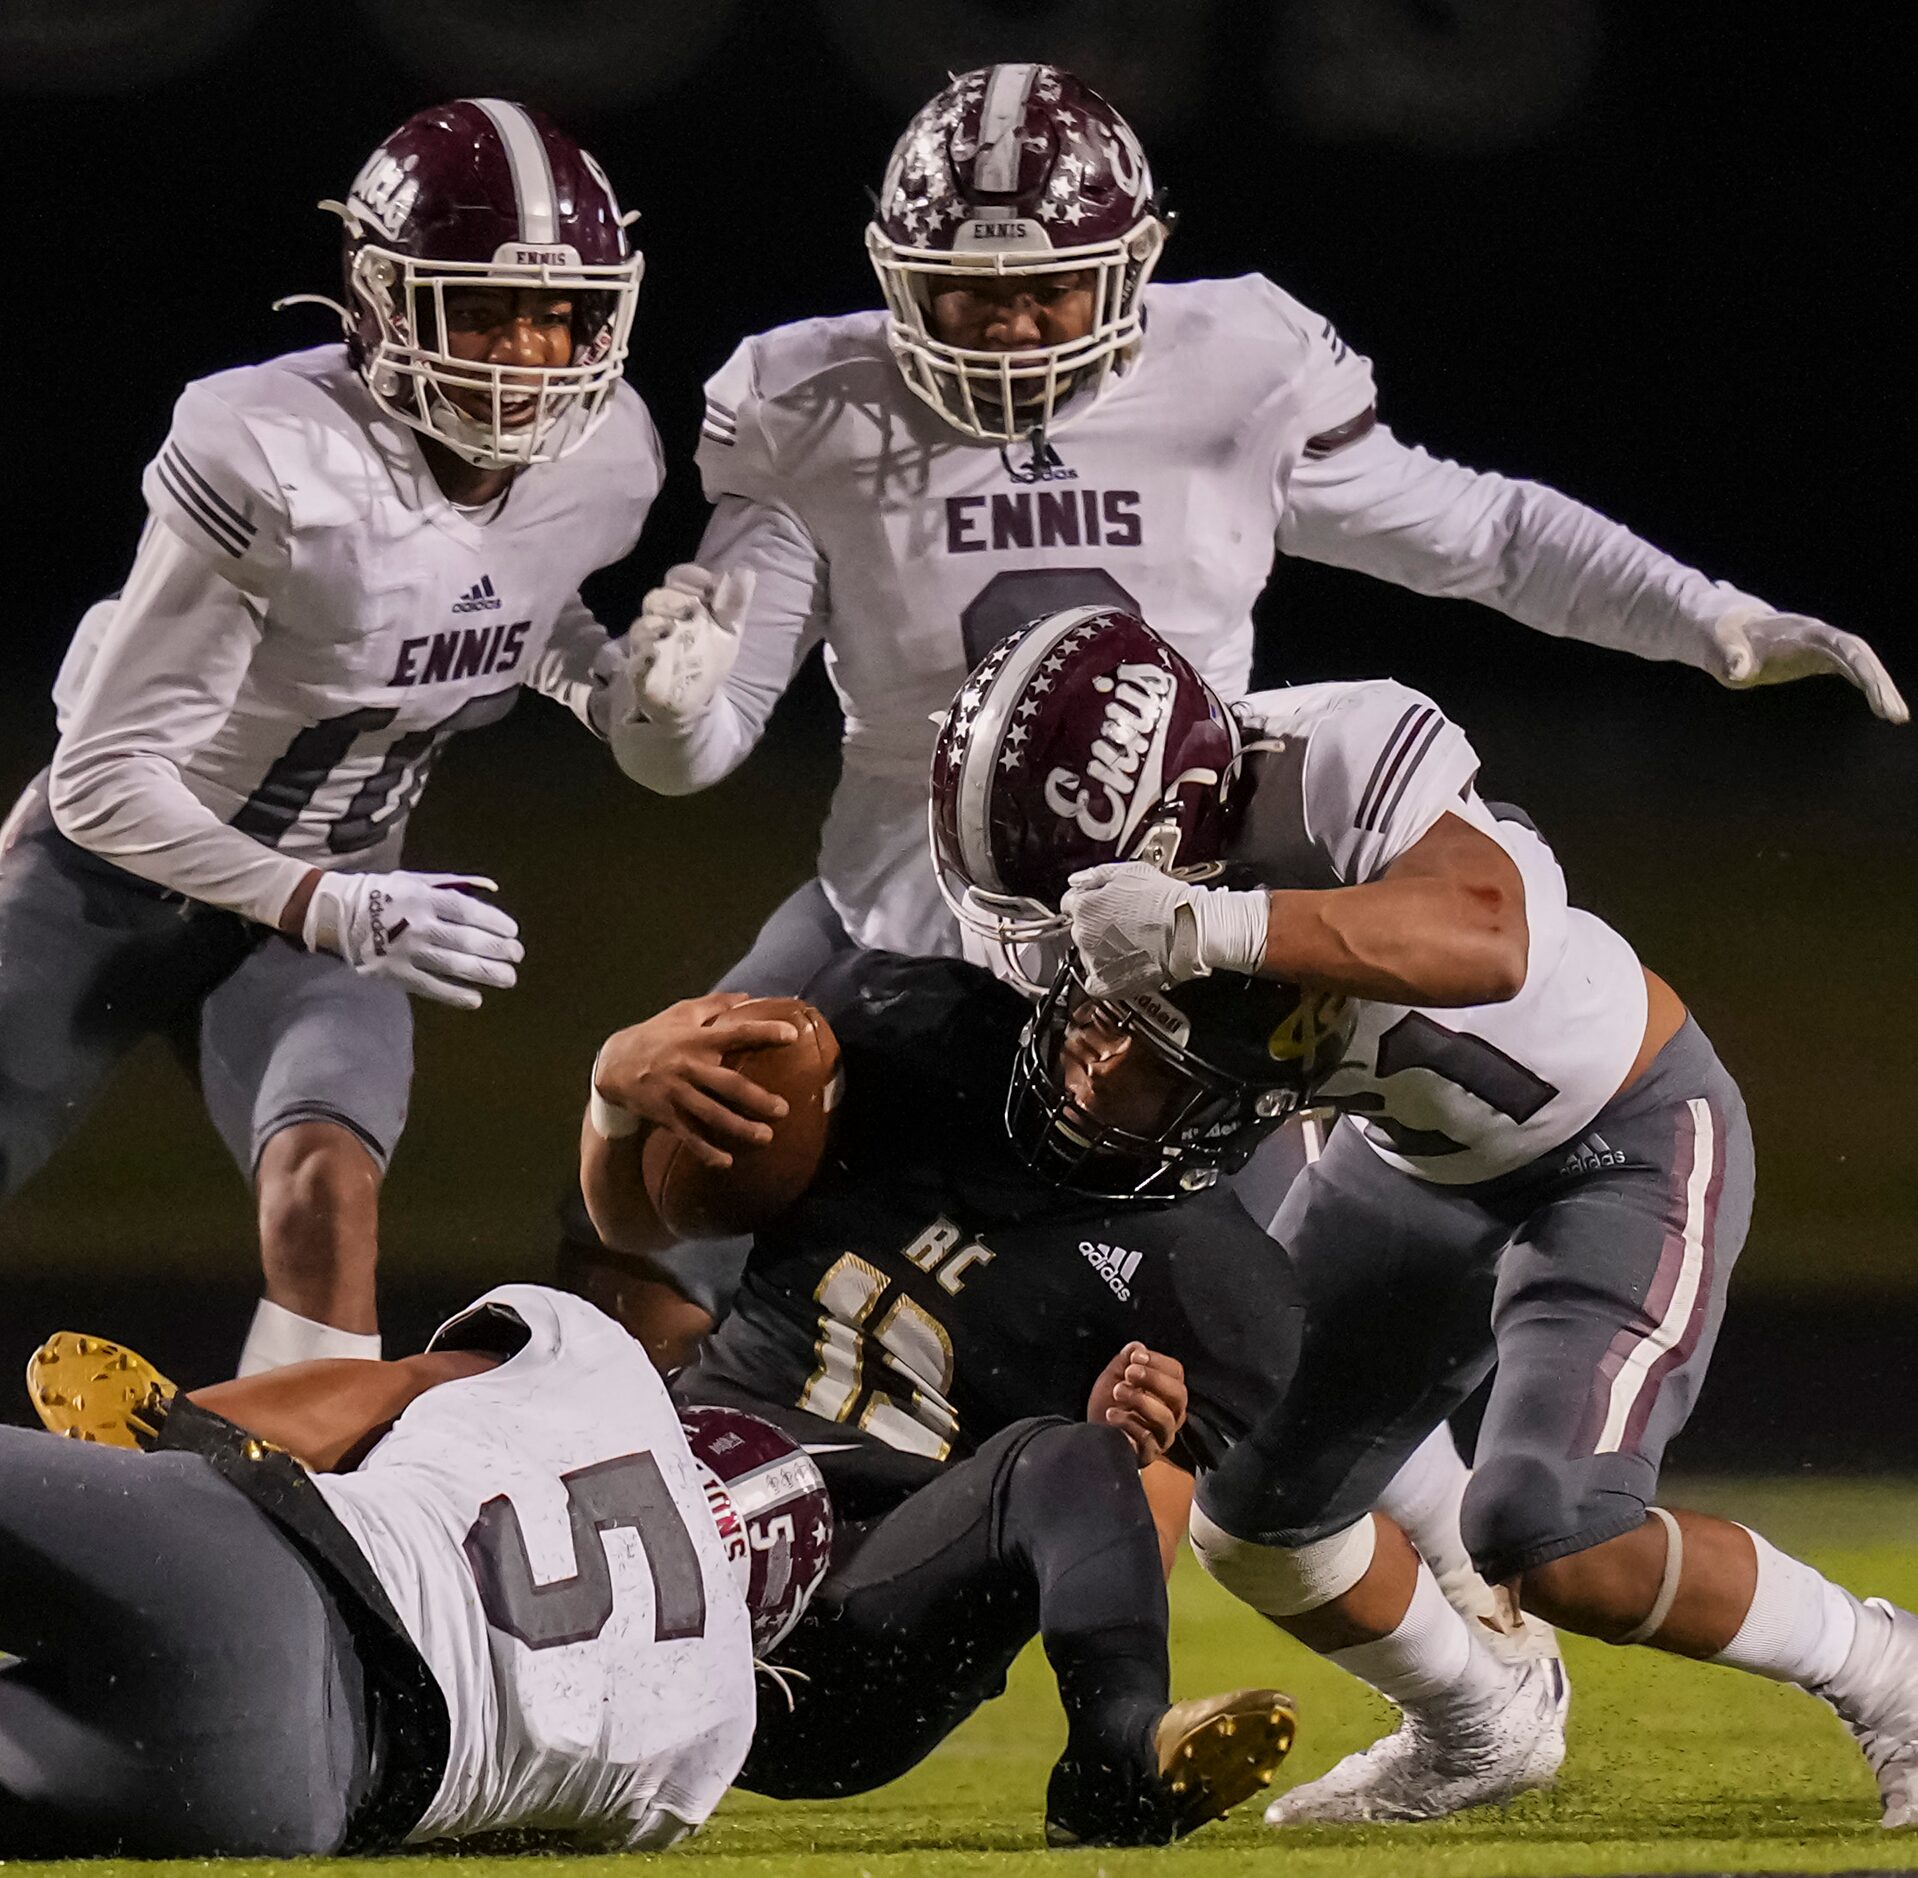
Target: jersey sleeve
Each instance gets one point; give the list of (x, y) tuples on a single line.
[(1380, 768), (212, 485), (1332, 384), (162, 678), (577, 666), (735, 454), (1391, 510)]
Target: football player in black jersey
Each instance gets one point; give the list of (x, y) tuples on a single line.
[(982, 1363)]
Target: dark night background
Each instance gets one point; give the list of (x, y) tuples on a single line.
[(1657, 256)]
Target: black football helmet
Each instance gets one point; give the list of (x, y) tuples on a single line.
[(1160, 1094)]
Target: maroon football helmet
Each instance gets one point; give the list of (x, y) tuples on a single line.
[(1083, 739), (772, 1510), (1020, 170), (483, 193)]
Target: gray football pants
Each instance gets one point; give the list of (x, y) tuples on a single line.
[(94, 960), (186, 1688), (1595, 1279)]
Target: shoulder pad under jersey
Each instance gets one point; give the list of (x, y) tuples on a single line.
[(1380, 764), (772, 383)]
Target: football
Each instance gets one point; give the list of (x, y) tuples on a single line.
[(695, 1201)]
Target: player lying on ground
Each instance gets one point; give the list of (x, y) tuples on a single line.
[(1545, 1166), (946, 1333), (1033, 423), (352, 553), (513, 1596)]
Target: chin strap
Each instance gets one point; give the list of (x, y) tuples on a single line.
[(782, 1680)]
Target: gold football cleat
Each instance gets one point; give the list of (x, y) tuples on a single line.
[(1217, 1750), (94, 1390)]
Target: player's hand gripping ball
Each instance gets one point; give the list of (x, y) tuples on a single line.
[(703, 1190)]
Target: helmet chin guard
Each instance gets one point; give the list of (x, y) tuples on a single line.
[(485, 193)]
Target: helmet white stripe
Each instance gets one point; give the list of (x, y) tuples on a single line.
[(996, 168), (533, 184), (988, 735)]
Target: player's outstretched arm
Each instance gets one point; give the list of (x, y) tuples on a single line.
[(327, 1414), (670, 1073), (1392, 510), (1444, 924)]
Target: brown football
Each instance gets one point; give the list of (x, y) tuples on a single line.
[(699, 1202)]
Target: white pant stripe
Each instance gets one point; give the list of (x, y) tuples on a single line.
[(1634, 1373)]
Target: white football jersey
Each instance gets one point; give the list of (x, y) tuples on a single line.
[(349, 619), (544, 1536), (913, 551), (1242, 428), (1353, 775)]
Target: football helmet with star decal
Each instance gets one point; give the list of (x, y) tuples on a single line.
[(1082, 740), (772, 1509), (1014, 170), (484, 193)]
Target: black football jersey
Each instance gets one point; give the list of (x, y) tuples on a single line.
[(929, 1289)]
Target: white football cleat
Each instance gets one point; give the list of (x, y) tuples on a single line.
[(1511, 1634), (1444, 1759), (1879, 1704)]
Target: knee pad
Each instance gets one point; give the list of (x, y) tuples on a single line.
[(1284, 1581), (1517, 1507)]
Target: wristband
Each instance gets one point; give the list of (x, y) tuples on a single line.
[(1228, 929), (608, 1122)]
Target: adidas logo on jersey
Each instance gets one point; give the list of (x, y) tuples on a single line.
[(1591, 1154), (1045, 465), (479, 599), (1114, 1264)]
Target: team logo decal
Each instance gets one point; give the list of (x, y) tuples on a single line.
[(1127, 760), (1315, 1022), (383, 193)]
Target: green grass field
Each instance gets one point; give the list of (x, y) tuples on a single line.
[(1673, 1767)]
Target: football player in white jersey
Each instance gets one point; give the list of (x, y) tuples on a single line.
[(516, 1592), (1033, 423), (1544, 1165), (352, 553)]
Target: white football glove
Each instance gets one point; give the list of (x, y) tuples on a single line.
[(683, 644), (1136, 927), (420, 930), (1774, 648)]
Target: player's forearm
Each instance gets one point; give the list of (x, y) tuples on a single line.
[(676, 762), (133, 810), (1394, 511), (327, 1413), (163, 678), (783, 622), (614, 1188), (1414, 941), (577, 665)]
